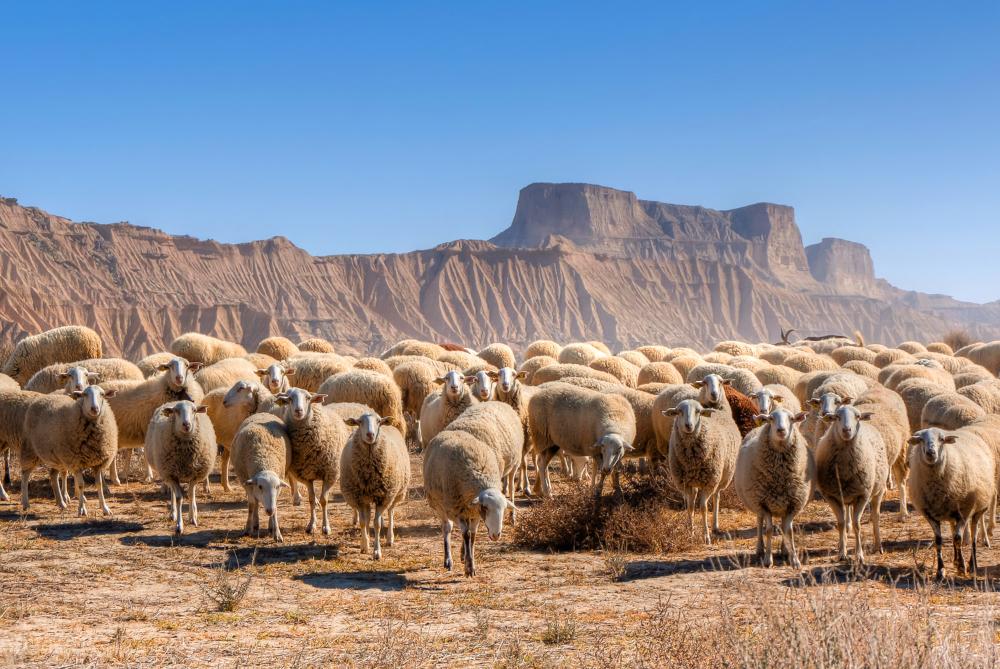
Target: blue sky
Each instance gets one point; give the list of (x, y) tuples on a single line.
[(363, 127)]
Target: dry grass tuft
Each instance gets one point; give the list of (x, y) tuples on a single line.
[(643, 518), (228, 588), (560, 628), (957, 339)]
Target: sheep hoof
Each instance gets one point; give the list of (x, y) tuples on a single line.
[(377, 555)]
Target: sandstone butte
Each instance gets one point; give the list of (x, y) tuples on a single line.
[(578, 262)]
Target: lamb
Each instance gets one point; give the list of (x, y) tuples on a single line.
[(579, 354), (497, 425), (658, 372), (135, 402), (312, 369), (225, 373), (261, 453), (369, 388), (181, 448), (80, 374), (498, 355), (440, 408), (620, 368), (851, 472), (582, 423), (315, 345), (558, 371), (227, 410), (317, 437), (950, 411), (544, 348), (70, 434), (374, 471), (955, 483), (701, 458), (207, 350), (279, 348), (149, 366), (532, 365), (774, 472), (462, 479), (65, 344)]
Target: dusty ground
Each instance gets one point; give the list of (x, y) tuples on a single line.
[(124, 592)]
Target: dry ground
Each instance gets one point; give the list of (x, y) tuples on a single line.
[(124, 592)]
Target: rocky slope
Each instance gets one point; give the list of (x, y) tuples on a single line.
[(578, 262)]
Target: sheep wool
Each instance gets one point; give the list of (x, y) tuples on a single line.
[(65, 344)]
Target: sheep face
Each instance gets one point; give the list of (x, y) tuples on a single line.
[(481, 384), (766, 400), (507, 378), (264, 488), (369, 425), (177, 371), (93, 400), (687, 415), (613, 448), (846, 421), (241, 393), (454, 384), (827, 403), (298, 403), (492, 506), (78, 378), (275, 377), (781, 421), (711, 388), (183, 416), (931, 444)]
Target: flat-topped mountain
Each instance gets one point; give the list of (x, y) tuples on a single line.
[(578, 262)]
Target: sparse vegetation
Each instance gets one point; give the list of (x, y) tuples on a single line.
[(229, 587), (560, 628), (957, 339)]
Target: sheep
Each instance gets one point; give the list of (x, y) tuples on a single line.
[(811, 362), (499, 426), (744, 410), (949, 411), (624, 371), (261, 452), (278, 348), (846, 354), (312, 369), (13, 407), (228, 408), (774, 472), (654, 353), (579, 354), (374, 471), (890, 356), (949, 363), (892, 375), (65, 344), (558, 371), (442, 407), (374, 365), (915, 394), (181, 447), (149, 366), (80, 374), (511, 390), (315, 345), (735, 348), (748, 363), (498, 355), (717, 358), (685, 363), (636, 358), (955, 483), (862, 368), (414, 347), (710, 393), (581, 423), (912, 347), (317, 437), (985, 393), (7, 383), (742, 380), (69, 434), (532, 365), (135, 402), (658, 372), (843, 383), (369, 388), (259, 360), (207, 350), (773, 394), (701, 458), (891, 422), (416, 380), (851, 472), (462, 483), (599, 346), (460, 359), (777, 356), (940, 347), (969, 377), (786, 376), (275, 377), (225, 373), (544, 348)]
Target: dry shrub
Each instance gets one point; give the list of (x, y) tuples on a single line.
[(957, 339), (643, 518)]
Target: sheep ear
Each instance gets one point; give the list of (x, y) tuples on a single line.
[(813, 402), (510, 504), (629, 447), (248, 482), (110, 393), (708, 412), (950, 439), (353, 422), (201, 408), (470, 379), (440, 380), (521, 375), (478, 499), (493, 375), (76, 394), (799, 417), (284, 484), (829, 417), (671, 412), (384, 420), (697, 384), (727, 382), (761, 418), (289, 372), (195, 366), (315, 399), (167, 411), (281, 399), (262, 372), (162, 368), (914, 440), (778, 398), (868, 415), (847, 400), (63, 376)]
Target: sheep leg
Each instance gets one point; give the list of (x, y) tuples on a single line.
[(364, 513), (446, 528), (25, 475), (6, 472), (984, 531), (356, 519), (543, 470), (760, 536), (324, 503), (688, 494), (65, 485), (149, 473), (312, 507), (224, 469), (391, 529), (768, 552), (81, 509), (296, 495), (717, 501), (105, 509), (974, 558), (114, 471), (904, 509), (193, 504), (272, 525), (468, 542), (177, 502), (877, 522), (57, 492), (251, 505), (379, 511), (525, 481), (841, 514), (788, 540), (702, 502), (938, 542), (859, 549), (958, 537), (205, 484)]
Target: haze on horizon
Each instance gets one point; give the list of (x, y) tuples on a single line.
[(352, 129)]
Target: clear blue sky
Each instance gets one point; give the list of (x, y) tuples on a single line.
[(362, 127)]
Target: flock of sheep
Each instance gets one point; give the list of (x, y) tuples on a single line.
[(833, 419)]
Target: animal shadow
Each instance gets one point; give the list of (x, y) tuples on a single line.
[(72, 530), (386, 581)]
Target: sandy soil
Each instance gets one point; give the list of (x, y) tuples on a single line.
[(124, 592)]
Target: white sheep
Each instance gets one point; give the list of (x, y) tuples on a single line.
[(510, 390), (228, 409), (225, 373), (462, 483), (70, 434), (181, 447), (207, 350), (370, 388), (481, 384), (444, 406), (312, 369), (14, 405), (275, 377), (774, 472), (701, 458), (851, 473), (374, 471), (82, 373), (955, 483), (497, 425), (261, 452), (65, 344)]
